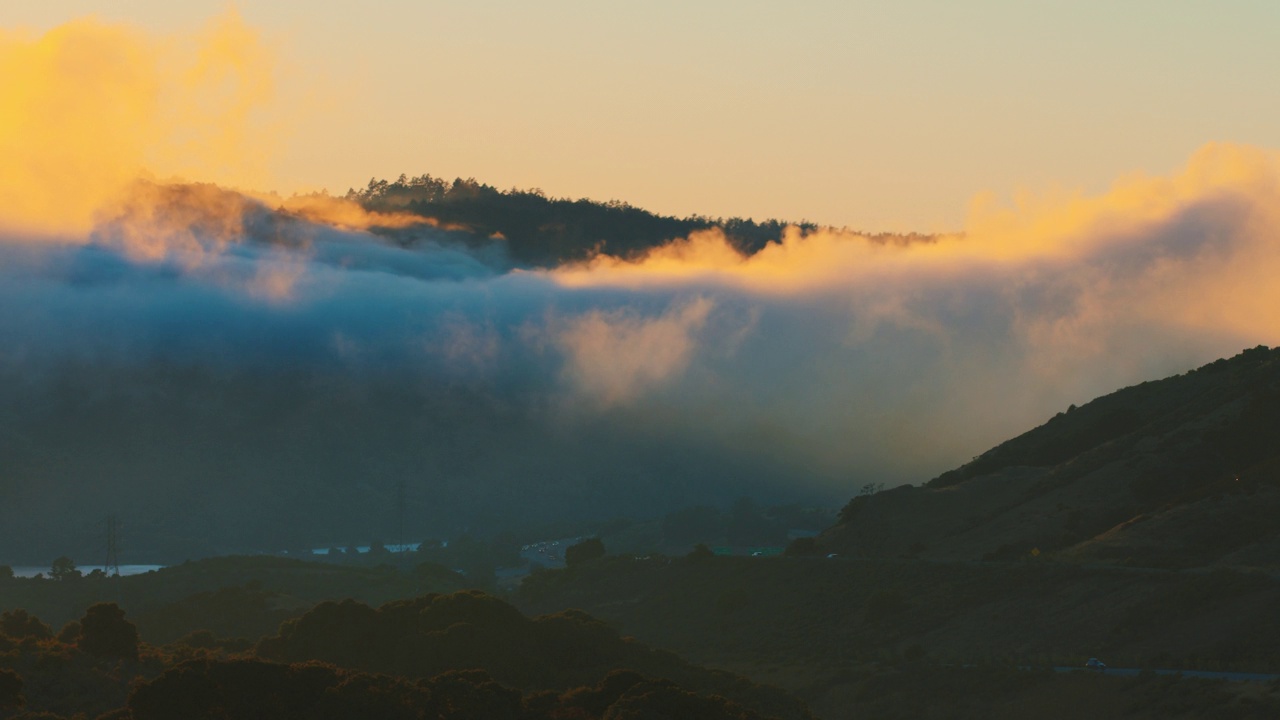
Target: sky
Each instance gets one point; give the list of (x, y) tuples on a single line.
[(875, 116), (207, 357)]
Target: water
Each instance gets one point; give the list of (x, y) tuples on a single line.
[(407, 547), (31, 570)]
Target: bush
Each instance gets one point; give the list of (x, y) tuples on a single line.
[(10, 690)]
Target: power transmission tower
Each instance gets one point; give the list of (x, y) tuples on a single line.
[(113, 546), (400, 503)]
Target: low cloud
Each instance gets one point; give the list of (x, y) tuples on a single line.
[(612, 357), (205, 343), (208, 362)]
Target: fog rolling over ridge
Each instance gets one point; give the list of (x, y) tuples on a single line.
[(228, 374), (234, 370)]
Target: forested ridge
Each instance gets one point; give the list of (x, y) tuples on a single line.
[(541, 231)]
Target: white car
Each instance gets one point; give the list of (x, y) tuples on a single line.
[(1095, 664)]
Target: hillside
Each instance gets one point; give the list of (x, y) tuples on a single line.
[(810, 624), (1177, 473), (1136, 528)]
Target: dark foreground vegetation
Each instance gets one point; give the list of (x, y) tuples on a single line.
[(469, 655), (461, 655), (847, 637)]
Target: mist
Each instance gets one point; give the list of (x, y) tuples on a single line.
[(234, 371), (233, 375)]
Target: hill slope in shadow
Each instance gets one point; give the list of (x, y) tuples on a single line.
[(1176, 473)]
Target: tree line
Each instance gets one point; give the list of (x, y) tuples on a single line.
[(542, 231)]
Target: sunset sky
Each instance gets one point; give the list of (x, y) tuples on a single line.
[(878, 116)]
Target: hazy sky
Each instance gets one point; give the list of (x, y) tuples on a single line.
[(886, 115)]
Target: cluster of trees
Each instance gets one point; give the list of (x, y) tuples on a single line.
[(250, 688), (913, 687), (544, 231), (434, 634), (103, 631), (84, 668), (474, 558), (464, 655)]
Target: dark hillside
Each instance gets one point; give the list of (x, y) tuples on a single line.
[(1180, 472), (814, 625)]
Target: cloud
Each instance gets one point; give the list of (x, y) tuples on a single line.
[(195, 322), (88, 108), (614, 356), (213, 361)]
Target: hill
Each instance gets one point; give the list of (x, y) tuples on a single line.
[(542, 231), (1134, 528), (1177, 473)]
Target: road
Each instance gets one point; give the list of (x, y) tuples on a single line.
[(1203, 674)]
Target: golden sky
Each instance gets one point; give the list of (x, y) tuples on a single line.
[(878, 116)]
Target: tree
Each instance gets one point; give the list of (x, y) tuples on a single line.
[(584, 552), (64, 569), (6, 573), (18, 624), (700, 552), (471, 695), (10, 690), (69, 633), (871, 488), (105, 633), (378, 552)]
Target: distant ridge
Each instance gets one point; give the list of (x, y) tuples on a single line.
[(1175, 473), (544, 231)]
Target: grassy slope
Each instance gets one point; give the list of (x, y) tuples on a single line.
[(1177, 473)]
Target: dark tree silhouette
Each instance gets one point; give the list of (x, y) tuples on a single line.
[(472, 695), (64, 568), (19, 624), (700, 552), (105, 633), (10, 690), (663, 699), (69, 633)]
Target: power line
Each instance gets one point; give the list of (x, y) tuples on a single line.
[(113, 546)]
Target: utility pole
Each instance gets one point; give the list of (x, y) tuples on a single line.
[(401, 486)]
